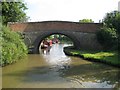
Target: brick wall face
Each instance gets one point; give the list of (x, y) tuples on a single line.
[(55, 25)]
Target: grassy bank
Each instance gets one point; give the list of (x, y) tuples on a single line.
[(108, 57)]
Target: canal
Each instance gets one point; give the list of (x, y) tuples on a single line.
[(56, 70)]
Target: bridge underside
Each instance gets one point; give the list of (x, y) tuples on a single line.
[(81, 40)]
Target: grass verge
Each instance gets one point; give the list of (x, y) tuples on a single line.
[(107, 57)]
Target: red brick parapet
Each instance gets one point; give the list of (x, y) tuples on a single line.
[(55, 25)]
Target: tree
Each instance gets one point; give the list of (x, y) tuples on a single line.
[(86, 21), (13, 12), (109, 35), (112, 20), (13, 47), (108, 38)]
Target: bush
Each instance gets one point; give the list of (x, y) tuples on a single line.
[(108, 38), (112, 20), (13, 47)]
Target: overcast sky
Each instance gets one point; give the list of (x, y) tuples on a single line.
[(69, 10)]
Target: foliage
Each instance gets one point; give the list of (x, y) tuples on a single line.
[(109, 35), (13, 11), (86, 21), (0, 15), (108, 38), (98, 56), (112, 20), (61, 38), (13, 47), (108, 57), (64, 39)]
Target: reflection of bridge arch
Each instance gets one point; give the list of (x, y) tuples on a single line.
[(82, 34), (46, 34)]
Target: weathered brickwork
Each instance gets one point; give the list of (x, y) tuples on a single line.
[(56, 25)]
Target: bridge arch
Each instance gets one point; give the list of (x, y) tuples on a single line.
[(82, 34), (39, 39)]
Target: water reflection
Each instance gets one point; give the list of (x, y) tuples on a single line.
[(56, 70), (92, 78), (56, 57)]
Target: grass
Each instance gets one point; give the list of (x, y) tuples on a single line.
[(107, 57)]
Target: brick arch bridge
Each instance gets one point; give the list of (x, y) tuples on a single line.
[(82, 34)]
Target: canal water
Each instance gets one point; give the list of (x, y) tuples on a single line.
[(56, 70)]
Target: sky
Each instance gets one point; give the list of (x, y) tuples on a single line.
[(69, 10)]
